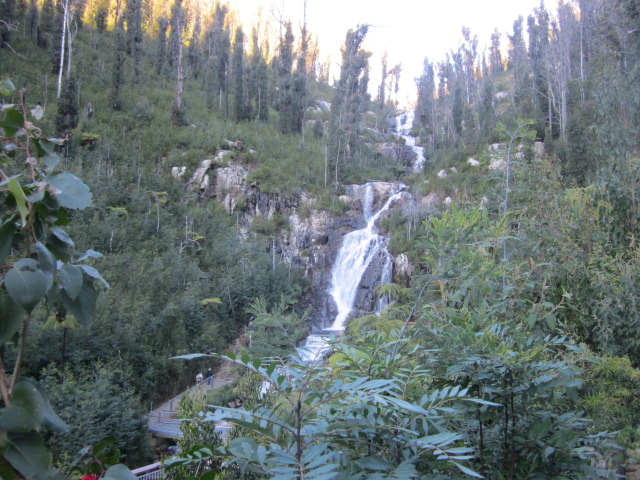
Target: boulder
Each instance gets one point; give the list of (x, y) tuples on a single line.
[(442, 174), (178, 172), (538, 150), (498, 164), (198, 177), (431, 199), (392, 151), (402, 269), (473, 162)]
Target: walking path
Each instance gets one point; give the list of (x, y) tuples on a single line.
[(163, 421)]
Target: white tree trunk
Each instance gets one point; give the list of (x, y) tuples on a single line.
[(63, 43)]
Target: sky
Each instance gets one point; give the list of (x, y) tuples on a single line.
[(409, 30)]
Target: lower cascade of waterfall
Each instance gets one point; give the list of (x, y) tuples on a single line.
[(358, 249)]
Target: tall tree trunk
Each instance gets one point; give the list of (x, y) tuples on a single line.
[(63, 42), (180, 79)]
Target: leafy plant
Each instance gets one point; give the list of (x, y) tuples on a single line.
[(315, 424), (39, 266)]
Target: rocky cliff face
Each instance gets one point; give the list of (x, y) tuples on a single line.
[(313, 238)]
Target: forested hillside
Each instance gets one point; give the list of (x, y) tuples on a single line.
[(510, 344)]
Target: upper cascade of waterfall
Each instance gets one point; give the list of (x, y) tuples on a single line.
[(403, 126)]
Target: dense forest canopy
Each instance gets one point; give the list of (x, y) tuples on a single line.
[(510, 346)]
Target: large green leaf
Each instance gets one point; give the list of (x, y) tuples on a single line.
[(37, 112), (88, 254), (61, 235), (50, 161), (10, 316), (26, 411), (29, 456), (26, 283), (47, 262), (83, 306), (13, 121), (50, 419), (93, 273), (7, 87), (71, 192), (107, 451), (119, 472), (71, 280), (21, 199)]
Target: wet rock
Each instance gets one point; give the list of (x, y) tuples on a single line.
[(402, 269)]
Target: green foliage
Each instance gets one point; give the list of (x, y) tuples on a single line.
[(381, 432), (195, 434), (269, 227), (40, 267), (67, 114), (96, 401), (608, 397), (275, 330)]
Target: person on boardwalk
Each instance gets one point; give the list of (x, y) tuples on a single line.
[(209, 375), (199, 377)]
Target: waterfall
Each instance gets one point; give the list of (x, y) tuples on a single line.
[(385, 278), (404, 124), (356, 253)]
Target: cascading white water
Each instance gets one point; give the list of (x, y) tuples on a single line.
[(404, 124), (358, 249), (385, 278)]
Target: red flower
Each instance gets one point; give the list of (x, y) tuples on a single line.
[(90, 477)]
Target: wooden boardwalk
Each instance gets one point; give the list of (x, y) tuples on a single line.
[(163, 421)]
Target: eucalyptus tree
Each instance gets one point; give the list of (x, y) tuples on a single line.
[(217, 51), (284, 102), (118, 67), (426, 105), (8, 23), (240, 111), (299, 83), (178, 24), (348, 101), (161, 45), (133, 20), (258, 90), (495, 55), (194, 50), (519, 65), (67, 115), (538, 30)]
